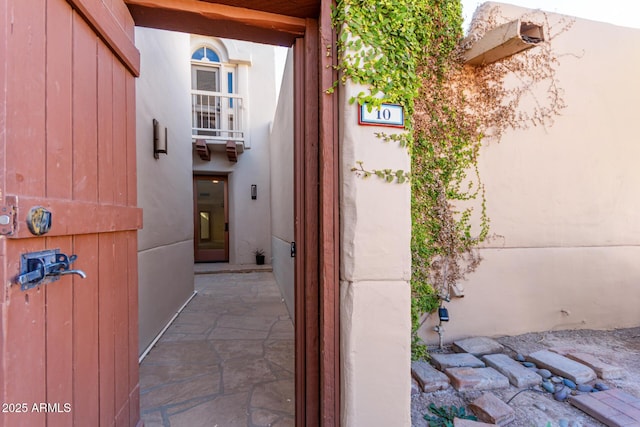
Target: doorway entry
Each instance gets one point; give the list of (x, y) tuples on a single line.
[(211, 218)]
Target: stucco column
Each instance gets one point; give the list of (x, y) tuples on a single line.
[(375, 269)]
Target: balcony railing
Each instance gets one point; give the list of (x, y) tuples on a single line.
[(216, 116)]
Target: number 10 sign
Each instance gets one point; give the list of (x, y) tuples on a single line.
[(391, 115)]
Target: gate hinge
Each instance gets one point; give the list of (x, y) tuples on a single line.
[(7, 220)]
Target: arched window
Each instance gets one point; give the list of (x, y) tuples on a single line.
[(214, 99), (205, 54)]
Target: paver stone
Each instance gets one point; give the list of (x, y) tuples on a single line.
[(489, 408), (478, 346), (563, 366), (614, 408), (428, 377), (456, 360), (518, 375), (478, 379)]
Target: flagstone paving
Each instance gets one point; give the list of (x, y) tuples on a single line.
[(227, 360)]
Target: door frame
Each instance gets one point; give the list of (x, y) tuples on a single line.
[(316, 177), (196, 216)]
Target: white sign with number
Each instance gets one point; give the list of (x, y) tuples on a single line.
[(391, 115)]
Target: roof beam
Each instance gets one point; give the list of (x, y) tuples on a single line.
[(212, 19)]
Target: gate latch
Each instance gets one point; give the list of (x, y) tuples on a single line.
[(39, 268), (7, 220)]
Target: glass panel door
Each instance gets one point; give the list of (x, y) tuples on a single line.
[(211, 222)]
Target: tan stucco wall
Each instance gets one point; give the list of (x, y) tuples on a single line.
[(281, 155), (165, 244), (375, 266), (249, 220), (564, 201)]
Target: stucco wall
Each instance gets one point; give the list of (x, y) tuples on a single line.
[(165, 244), (249, 220), (375, 266), (281, 145), (564, 201)]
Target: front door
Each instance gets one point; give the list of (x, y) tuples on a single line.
[(68, 344), (211, 222)]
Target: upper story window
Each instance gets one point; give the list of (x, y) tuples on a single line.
[(205, 54), (215, 104)]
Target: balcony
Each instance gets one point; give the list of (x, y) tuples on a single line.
[(217, 119)]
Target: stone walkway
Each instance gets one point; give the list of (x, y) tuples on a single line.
[(228, 359)]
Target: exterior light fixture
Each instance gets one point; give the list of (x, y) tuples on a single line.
[(254, 191), (159, 139), (443, 314)]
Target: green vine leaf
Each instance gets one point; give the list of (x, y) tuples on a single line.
[(409, 52)]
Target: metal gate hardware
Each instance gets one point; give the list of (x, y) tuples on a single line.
[(39, 268), (39, 220), (7, 220)]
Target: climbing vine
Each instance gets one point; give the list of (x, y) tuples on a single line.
[(410, 52)]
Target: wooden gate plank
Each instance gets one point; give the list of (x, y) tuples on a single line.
[(132, 184), (26, 132), (132, 281), (106, 193), (25, 338), (59, 344), (58, 101), (59, 296), (85, 333), (121, 328), (24, 330), (85, 118), (110, 31), (106, 321), (119, 178)]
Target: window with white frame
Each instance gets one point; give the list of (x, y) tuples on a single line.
[(214, 101)]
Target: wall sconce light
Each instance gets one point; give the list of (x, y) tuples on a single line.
[(254, 191), (159, 139)]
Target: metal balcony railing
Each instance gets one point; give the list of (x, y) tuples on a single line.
[(216, 116)]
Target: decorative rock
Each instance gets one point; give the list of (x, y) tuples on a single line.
[(548, 386), (478, 346), (428, 377), (575, 424), (563, 423), (556, 380), (465, 379), (601, 386), (585, 388), (563, 366), (544, 373), (561, 395), (520, 357), (491, 409), (457, 360), (569, 383), (528, 364), (517, 374)]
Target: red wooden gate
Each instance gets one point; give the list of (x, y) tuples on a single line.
[(69, 349)]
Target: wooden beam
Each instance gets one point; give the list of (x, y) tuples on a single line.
[(504, 41), (212, 19), (106, 25)]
